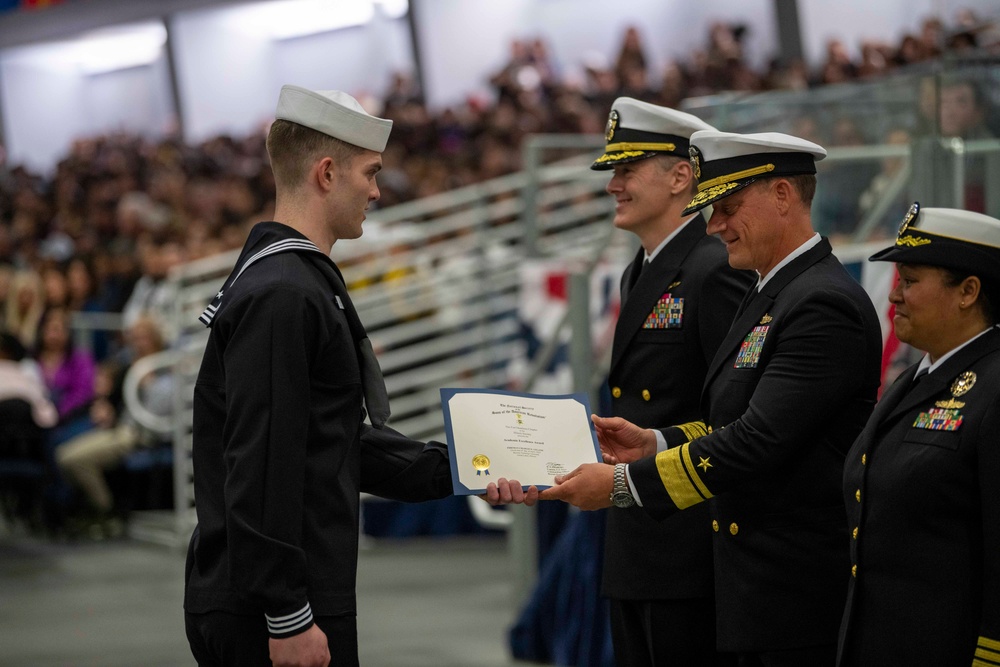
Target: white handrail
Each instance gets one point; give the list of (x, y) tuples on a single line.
[(153, 363)]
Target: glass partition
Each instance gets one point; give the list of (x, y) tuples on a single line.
[(929, 134)]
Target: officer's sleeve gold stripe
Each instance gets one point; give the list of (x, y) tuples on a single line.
[(976, 662), (693, 472), (992, 644), (986, 654), (693, 430), (677, 483), (686, 429), (994, 654)]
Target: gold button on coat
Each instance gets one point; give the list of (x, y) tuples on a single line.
[(733, 528), (645, 394), (857, 495), (854, 570), (616, 392), (864, 459), (715, 525), (855, 533)]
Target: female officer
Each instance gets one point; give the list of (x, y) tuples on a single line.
[(922, 481)]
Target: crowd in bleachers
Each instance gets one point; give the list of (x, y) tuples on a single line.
[(101, 234)]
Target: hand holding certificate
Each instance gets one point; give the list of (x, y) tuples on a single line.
[(527, 437)]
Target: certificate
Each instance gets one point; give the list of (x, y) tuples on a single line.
[(527, 437)]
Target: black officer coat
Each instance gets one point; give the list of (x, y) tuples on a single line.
[(280, 449), (925, 502), (657, 370), (792, 385)]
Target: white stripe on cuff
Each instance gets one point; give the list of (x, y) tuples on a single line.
[(281, 625)]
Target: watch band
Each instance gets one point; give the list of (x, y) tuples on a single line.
[(621, 495)]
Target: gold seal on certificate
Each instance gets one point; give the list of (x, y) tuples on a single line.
[(481, 463), (527, 437)]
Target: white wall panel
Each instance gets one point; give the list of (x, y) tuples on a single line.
[(47, 106), (41, 114), (226, 77), (137, 99), (358, 60), (230, 74)]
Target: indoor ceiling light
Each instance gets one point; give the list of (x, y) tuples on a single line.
[(393, 9), (120, 48), (284, 19), (100, 51)]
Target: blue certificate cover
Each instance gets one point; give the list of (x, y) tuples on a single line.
[(493, 433)]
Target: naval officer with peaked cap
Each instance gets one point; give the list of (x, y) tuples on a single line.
[(922, 481), (791, 386), (679, 296), (280, 449)]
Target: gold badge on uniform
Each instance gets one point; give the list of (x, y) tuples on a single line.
[(753, 344), (668, 313), (481, 463), (766, 319), (963, 383)]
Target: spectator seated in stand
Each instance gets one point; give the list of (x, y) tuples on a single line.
[(889, 172), (25, 305), (25, 413), (152, 293), (116, 433), (68, 372)]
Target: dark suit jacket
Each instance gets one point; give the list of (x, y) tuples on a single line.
[(642, 557), (792, 385), (926, 506)]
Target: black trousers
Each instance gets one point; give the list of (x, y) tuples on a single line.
[(666, 633), (813, 656), (221, 639)]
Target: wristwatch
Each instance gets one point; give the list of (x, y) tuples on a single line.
[(621, 496)]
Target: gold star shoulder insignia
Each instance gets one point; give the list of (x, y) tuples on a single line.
[(705, 465)]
